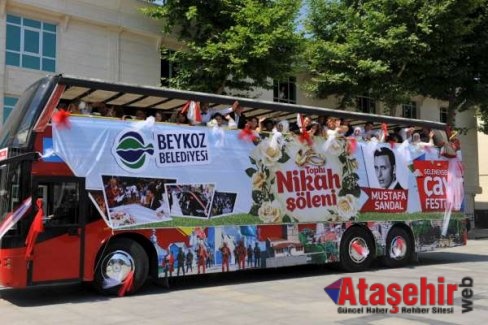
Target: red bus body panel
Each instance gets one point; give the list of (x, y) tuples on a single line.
[(13, 268), (96, 234), (56, 259)]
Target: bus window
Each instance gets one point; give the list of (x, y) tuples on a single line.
[(61, 202), (10, 196)]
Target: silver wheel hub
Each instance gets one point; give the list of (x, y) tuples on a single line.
[(117, 266), (358, 250), (398, 248)]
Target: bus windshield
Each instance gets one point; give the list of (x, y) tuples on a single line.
[(16, 131)]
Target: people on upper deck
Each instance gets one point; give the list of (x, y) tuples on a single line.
[(218, 120), (158, 117), (205, 113), (406, 133), (322, 120), (347, 128), (180, 118), (425, 134), (395, 136), (330, 126), (358, 133), (417, 140), (282, 126), (370, 133), (306, 120), (314, 129), (99, 108), (253, 123), (85, 108), (233, 117), (114, 112), (267, 125), (235, 112), (140, 115), (73, 108)]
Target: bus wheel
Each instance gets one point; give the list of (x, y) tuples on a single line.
[(119, 259), (398, 248), (357, 250)]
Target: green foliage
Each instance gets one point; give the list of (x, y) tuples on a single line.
[(393, 49), (234, 44), (250, 171), (284, 158), (387, 49)]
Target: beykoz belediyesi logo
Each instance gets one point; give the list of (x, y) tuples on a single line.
[(411, 298), (130, 150)]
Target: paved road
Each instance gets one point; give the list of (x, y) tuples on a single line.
[(290, 296)]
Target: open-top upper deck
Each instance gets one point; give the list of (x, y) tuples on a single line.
[(134, 97)]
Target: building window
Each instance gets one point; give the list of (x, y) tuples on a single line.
[(168, 67), (366, 104), (443, 114), (8, 106), (285, 91), (409, 110), (30, 44)]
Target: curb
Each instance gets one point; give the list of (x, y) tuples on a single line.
[(478, 234)]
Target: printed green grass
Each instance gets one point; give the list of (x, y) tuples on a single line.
[(374, 216), (235, 219), (247, 219)]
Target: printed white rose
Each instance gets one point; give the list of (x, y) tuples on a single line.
[(258, 180), (269, 154), (270, 212), (346, 206)]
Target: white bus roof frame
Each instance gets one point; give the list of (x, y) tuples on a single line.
[(266, 106)]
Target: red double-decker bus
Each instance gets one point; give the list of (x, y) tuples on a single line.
[(110, 195)]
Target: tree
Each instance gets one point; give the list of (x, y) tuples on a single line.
[(394, 49), (230, 44)]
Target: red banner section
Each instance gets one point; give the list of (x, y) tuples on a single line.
[(384, 200), (432, 183)]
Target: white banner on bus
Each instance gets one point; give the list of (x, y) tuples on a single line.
[(202, 173)]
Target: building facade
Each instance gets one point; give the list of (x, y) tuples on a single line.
[(108, 40), (113, 40)]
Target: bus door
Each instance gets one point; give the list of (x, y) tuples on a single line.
[(58, 250)]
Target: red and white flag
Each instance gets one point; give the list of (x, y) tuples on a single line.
[(192, 111), (14, 217)]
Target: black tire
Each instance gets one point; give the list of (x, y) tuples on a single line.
[(117, 260), (350, 259), (399, 249)]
